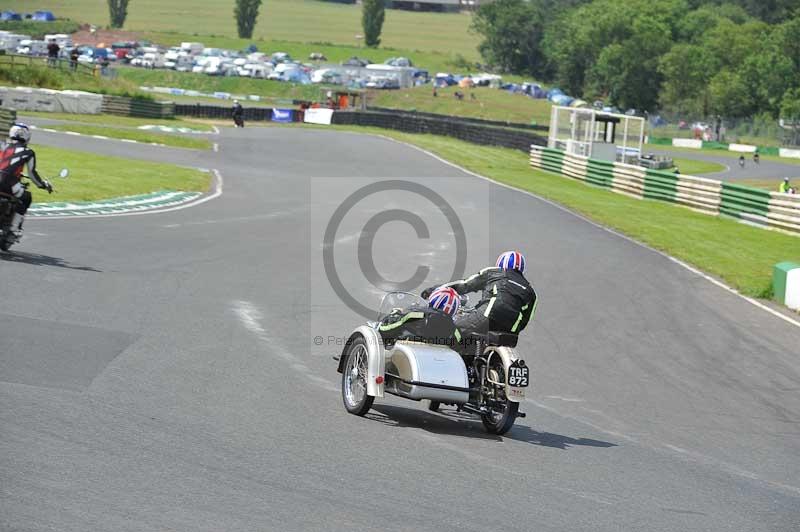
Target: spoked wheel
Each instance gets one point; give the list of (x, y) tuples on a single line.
[(503, 412), (354, 379)]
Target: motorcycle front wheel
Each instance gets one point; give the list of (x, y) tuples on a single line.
[(354, 379)]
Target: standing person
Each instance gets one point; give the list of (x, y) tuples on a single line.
[(238, 114), (785, 187), (52, 53), (73, 59)]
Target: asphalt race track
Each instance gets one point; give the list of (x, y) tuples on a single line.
[(766, 169), (160, 372)]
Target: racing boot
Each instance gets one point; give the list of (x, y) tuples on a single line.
[(16, 226)]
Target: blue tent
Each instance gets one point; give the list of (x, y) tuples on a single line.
[(10, 15), (43, 16)]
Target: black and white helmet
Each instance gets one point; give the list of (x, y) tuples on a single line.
[(19, 133)]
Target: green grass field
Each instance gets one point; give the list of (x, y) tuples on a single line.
[(490, 104), (39, 75), (740, 255), (168, 139), (117, 121), (287, 20), (694, 167), (94, 177)]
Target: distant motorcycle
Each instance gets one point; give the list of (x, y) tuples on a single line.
[(8, 206), (489, 381)]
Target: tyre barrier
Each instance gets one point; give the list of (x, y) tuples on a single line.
[(751, 205)]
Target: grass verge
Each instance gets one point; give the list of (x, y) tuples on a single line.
[(115, 120), (695, 167), (489, 104), (733, 156), (740, 255), (94, 177), (178, 141)]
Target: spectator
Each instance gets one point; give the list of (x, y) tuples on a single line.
[(785, 187), (52, 53), (73, 59), (435, 94)]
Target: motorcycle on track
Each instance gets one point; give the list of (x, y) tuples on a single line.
[(8, 206), (489, 380)]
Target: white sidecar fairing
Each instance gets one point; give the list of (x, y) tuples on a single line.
[(424, 371)]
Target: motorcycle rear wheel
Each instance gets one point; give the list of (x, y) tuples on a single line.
[(501, 422), (354, 379)]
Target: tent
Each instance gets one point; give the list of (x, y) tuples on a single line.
[(10, 15), (43, 16)]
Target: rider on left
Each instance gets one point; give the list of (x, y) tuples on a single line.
[(14, 159)]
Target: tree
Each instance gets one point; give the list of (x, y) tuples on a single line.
[(729, 96), (372, 16), (512, 32), (117, 10), (246, 12), (686, 69), (790, 112)]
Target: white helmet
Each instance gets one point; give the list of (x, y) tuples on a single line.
[(19, 133)]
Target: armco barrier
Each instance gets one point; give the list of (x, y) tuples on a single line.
[(474, 131), (755, 206), (253, 114), (442, 125), (7, 118), (126, 106)]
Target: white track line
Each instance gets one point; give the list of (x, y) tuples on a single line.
[(216, 147), (218, 186), (679, 262), (215, 129)]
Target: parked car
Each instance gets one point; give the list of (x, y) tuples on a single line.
[(255, 70), (32, 47)]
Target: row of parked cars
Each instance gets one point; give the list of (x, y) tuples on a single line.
[(394, 73)]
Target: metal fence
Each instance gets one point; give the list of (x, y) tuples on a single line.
[(761, 130), (66, 65)]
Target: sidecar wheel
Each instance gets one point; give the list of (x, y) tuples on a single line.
[(354, 379), (501, 422)]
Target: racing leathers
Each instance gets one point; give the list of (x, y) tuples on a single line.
[(420, 324), (507, 304), (15, 158)]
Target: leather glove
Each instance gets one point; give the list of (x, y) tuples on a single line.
[(48, 187)]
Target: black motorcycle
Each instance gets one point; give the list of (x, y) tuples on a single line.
[(8, 206)]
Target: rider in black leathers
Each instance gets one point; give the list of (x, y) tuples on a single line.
[(16, 158), (508, 300)]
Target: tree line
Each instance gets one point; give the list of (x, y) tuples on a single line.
[(735, 58)]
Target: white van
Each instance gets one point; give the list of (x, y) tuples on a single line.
[(192, 48), (31, 47), (62, 39), (10, 41)]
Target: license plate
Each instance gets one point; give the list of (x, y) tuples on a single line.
[(517, 375)]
